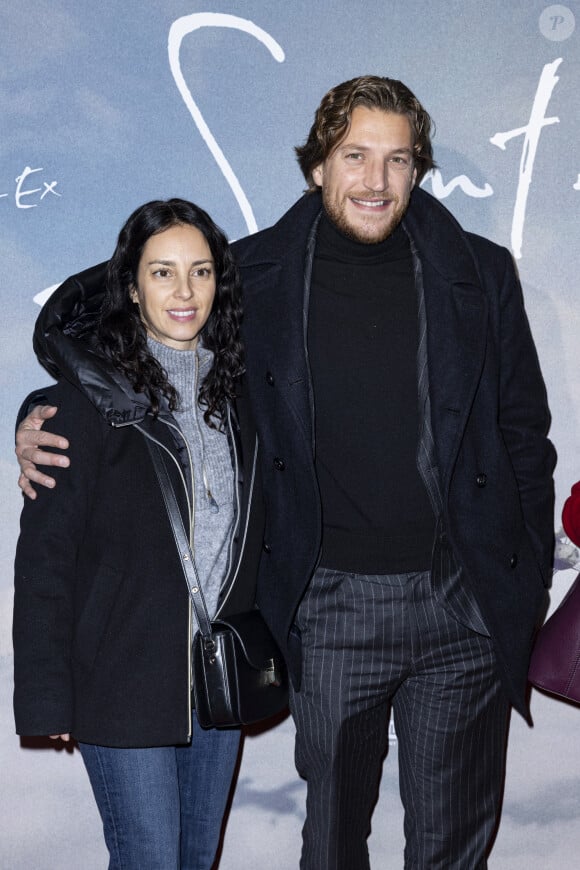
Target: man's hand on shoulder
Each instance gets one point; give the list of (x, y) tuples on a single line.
[(30, 441)]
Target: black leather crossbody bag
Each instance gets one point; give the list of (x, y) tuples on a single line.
[(239, 676)]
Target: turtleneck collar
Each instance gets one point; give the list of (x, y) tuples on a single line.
[(174, 360), (333, 244)]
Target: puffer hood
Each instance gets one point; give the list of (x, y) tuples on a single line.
[(69, 314)]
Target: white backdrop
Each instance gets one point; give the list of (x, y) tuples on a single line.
[(104, 106)]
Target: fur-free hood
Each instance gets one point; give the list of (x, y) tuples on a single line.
[(64, 344)]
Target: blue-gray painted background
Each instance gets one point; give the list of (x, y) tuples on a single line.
[(106, 105)]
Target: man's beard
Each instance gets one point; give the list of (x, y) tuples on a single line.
[(368, 233)]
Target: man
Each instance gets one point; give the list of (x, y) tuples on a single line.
[(407, 482)]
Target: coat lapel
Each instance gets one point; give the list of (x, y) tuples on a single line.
[(456, 335), (456, 317), (275, 268)]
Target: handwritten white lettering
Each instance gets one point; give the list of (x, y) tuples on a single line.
[(22, 190), (181, 28), (20, 193), (442, 190), (49, 188), (531, 133)]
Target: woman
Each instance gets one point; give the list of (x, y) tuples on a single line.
[(102, 621)]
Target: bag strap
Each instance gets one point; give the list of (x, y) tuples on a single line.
[(181, 540)]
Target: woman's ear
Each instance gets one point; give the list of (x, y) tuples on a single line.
[(133, 295)]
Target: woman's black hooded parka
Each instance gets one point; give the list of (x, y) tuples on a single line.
[(102, 631)]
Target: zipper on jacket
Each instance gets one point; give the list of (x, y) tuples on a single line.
[(232, 576), (237, 513)]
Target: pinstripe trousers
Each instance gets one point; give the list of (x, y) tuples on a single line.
[(372, 642)]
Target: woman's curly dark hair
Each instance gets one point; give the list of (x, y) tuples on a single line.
[(121, 331)]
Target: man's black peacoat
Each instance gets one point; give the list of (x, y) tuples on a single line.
[(489, 416)]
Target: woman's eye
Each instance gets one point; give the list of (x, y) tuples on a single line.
[(162, 273)]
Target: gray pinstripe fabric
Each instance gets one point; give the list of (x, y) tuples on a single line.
[(370, 642)]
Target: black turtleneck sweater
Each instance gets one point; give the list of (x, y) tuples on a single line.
[(362, 344)]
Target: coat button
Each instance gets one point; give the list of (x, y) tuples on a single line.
[(266, 547), (513, 560), (270, 378), (279, 464), (481, 479)]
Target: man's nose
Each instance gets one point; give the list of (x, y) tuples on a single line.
[(377, 175)]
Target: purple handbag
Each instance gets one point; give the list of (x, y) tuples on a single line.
[(555, 662)]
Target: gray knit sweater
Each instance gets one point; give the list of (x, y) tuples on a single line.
[(213, 479)]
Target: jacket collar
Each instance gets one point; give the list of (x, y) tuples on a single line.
[(285, 240), (438, 237)]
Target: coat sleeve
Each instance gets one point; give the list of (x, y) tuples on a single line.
[(52, 528), (524, 419)]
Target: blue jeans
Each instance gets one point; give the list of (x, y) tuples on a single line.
[(162, 807)]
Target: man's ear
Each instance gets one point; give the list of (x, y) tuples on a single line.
[(318, 175)]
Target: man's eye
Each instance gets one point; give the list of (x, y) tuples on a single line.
[(355, 155)]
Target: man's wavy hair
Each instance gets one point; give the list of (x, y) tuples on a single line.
[(121, 331), (333, 117)]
